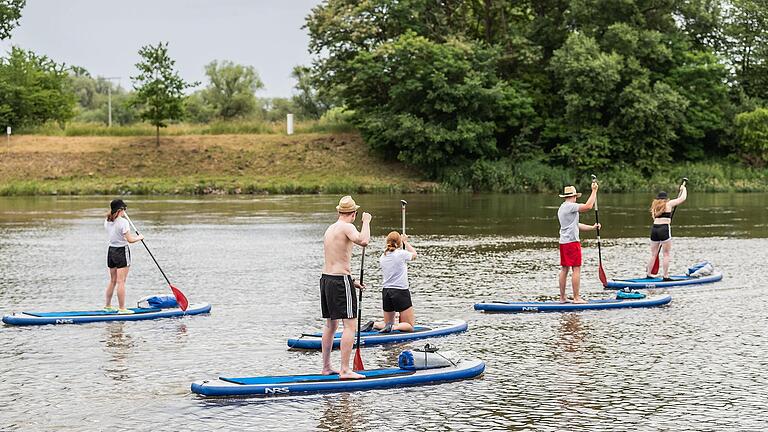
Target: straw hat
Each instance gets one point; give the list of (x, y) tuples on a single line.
[(570, 191), (347, 205)]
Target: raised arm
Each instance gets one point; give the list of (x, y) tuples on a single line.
[(363, 237), (408, 247), (587, 206), (680, 198)]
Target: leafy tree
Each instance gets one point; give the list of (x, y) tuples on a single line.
[(435, 105), (308, 101), (159, 90), (232, 89), (33, 89), (197, 109), (752, 135), (10, 13), (746, 45)]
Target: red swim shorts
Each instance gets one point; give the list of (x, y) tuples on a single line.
[(570, 254)]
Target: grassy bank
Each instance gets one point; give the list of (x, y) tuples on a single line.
[(199, 164), (303, 163)]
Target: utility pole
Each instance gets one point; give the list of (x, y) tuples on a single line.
[(109, 99)]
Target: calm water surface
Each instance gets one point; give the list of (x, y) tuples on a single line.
[(698, 364)]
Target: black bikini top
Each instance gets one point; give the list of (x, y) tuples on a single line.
[(665, 215)]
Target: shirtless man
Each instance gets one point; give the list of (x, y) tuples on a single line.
[(337, 287)]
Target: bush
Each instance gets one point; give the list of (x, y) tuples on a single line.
[(752, 136)]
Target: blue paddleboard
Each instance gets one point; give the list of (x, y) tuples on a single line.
[(553, 306), (648, 283), (374, 379), (82, 317), (442, 328)]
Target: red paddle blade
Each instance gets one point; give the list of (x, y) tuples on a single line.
[(358, 363), (181, 299), (601, 274), (655, 268)]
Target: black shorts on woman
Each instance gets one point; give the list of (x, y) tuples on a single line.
[(118, 257), (395, 299), (661, 233)]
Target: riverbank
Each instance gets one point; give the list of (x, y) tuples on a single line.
[(305, 163), (199, 164)]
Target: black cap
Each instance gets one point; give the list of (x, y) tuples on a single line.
[(117, 204), (662, 195)]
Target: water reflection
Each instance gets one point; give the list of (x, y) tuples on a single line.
[(119, 346), (572, 332), (338, 414)]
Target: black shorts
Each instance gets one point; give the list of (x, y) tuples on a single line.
[(338, 299), (395, 300), (661, 233), (118, 257)]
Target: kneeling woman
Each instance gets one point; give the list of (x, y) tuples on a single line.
[(661, 232), (395, 295), (118, 255)]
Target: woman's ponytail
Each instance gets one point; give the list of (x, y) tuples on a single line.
[(394, 242)]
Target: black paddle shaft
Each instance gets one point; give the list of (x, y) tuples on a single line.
[(597, 221), (360, 299), (149, 251)]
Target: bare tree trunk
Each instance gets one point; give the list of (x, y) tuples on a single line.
[(158, 135)]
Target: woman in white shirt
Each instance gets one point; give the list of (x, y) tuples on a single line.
[(118, 255), (395, 295)]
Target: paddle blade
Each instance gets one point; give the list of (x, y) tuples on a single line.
[(655, 267), (358, 363), (181, 299), (601, 274)]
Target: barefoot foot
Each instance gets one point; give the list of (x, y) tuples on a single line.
[(350, 375), (579, 300), (329, 372)]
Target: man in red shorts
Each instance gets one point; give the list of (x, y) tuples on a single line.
[(570, 248)]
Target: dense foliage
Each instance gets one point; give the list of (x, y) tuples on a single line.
[(466, 88), (33, 89)]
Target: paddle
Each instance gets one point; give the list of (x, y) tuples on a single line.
[(600, 271), (655, 267), (181, 299), (358, 363), (403, 203)]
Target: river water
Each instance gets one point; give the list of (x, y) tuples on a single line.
[(698, 364)]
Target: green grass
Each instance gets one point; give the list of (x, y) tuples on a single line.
[(232, 127), (203, 185)]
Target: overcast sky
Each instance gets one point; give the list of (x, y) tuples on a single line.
[(104, 36)]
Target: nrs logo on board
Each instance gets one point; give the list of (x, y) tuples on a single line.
[(277, 390)]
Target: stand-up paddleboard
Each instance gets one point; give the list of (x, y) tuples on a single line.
[(82, 317), (374, 379), (648, 283), (442, 328), (554, 306)]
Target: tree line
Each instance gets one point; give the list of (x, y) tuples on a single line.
[(469, 88), (35, 89)]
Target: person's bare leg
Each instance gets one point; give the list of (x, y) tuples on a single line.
[(654, 254), (347, 339), (563, 279), (389, 317), (110, 287), (407, 321), (122, 275), (666, 248), (576, 282), (327, 345)]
